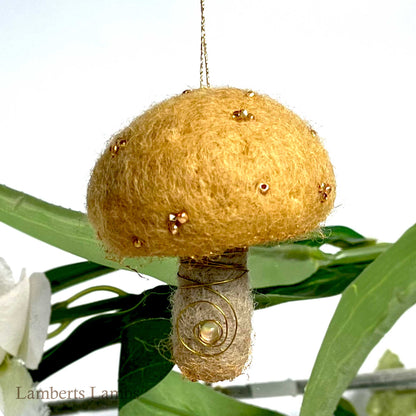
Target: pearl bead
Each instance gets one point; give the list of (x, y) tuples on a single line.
[(209, 332)]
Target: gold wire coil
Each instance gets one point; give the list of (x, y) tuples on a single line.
[(224, 342)]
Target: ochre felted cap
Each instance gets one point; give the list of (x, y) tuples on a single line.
[(206, 171)]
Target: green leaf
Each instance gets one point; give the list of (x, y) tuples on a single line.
[(327, 281), (358, 254), (103, 330), (70, 231), (284, 264), (175, 396), (345, 408), (367, 310), (338, 236), (144, 361), (72, 274)]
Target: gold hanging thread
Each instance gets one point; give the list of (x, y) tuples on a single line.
[(203, 67)]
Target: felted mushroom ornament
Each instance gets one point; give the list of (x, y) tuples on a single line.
[(203, 176)]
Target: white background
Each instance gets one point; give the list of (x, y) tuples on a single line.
[(74, 72)]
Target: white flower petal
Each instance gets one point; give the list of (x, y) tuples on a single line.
[(31, 348), (2, 355), (6, 278), (22, 275), (14, 376), (36, 408), (14, 307)]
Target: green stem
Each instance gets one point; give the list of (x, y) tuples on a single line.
[(91, 290), (60, 329), (124, 302), (66, 316)]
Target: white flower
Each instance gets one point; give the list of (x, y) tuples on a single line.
[(25, 309), (15, 383)]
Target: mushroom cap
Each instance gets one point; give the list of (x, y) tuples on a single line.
[(196, 175)]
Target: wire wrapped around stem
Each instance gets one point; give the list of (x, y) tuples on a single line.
[(212, 311)]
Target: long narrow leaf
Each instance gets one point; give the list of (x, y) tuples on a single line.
[(337, 235), (327, 281), (71, 274), (368, 309), (175, 396), (70, 231), (285, 264)]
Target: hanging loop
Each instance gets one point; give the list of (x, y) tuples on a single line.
[(203, 68)]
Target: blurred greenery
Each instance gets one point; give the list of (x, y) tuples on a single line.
[(392, 402)]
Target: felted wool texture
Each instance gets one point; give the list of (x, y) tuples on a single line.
[(189, 153), (199, 304)]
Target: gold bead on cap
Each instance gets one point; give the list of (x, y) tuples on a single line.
[(242, 115), (209, 332), (182, 217), (176, 220), (264, 188), (114, 149), (173, 228), (250, 94), (324, 190), (137, 243)]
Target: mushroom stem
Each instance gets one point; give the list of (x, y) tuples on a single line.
[(211, 313)]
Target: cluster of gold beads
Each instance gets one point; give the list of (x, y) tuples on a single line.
[(115, 147), (242, 115), (176, 220), (324, 189)]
